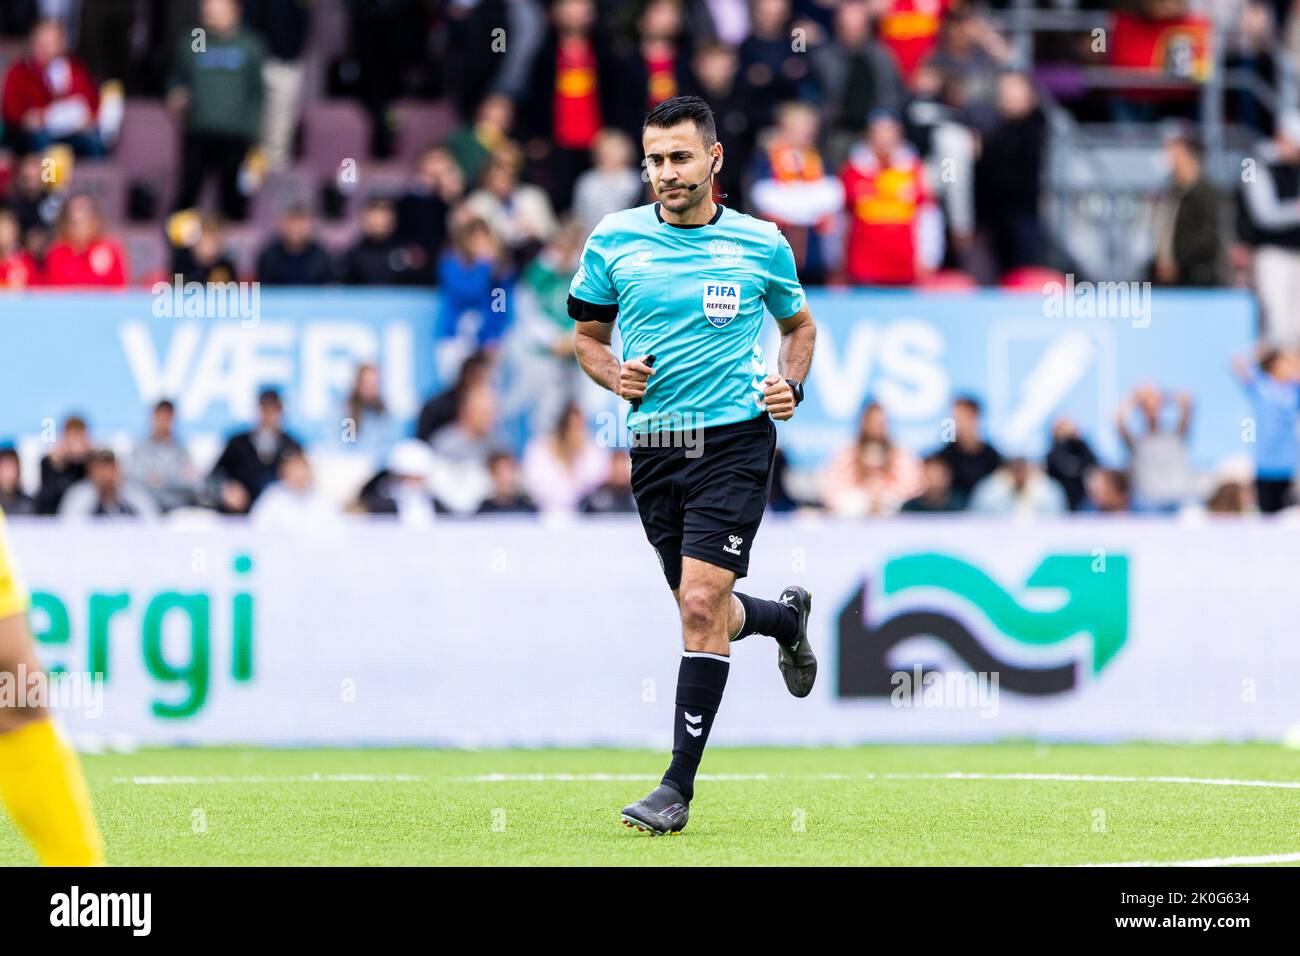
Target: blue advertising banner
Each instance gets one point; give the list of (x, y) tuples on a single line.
[(1029, 357)]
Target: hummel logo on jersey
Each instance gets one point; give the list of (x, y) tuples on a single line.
[(733, 547), (695, 719)]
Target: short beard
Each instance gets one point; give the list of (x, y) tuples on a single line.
[(690, 199)]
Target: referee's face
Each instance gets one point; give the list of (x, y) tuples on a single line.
[(675, 158)]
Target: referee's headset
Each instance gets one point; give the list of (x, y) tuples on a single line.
[(712, 171)]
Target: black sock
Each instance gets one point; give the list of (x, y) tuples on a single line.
[(768, 617), (700, 682)]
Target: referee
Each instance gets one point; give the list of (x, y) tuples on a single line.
[(687, 281)]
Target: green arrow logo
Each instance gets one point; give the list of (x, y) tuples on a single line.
[(1098, 601)]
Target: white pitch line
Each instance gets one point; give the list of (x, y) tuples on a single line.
[(301, 778), (1099, 778), (1042, 777), (1213, 861)]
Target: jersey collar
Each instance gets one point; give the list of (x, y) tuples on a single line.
[(695, 225)]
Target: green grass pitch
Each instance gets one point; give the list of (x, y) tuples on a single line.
[(893, 805)]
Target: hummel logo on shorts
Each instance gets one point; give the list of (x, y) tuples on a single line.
[(735, 542)]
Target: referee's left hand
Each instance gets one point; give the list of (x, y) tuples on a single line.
[(779, 397)]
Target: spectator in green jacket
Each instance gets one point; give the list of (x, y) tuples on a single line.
[(216, 88)]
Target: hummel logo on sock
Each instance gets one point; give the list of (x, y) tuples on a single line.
[(694, 719)]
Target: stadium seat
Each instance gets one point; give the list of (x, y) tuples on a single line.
[(243, 243), (950, 280), (334, 131), (419, 125), (147, 253), (148, 149), (103, 181), (1031, 279), (280, 191)]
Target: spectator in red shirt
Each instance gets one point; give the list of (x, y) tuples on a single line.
[(894, 227), (910, 29), (50, 96), (567, 98), (17, 267), (82, 255)]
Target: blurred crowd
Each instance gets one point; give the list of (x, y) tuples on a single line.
[(896, 142), (457, 463)]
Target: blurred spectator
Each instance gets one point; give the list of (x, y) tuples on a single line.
[(779, 498), (81, 255), (613, 183), (1274, 393), (294, 257), (1008, 175), (948, 147), (206, 259), (651, 65), (873, 475), (857, 76), (292, 502), (251, 459), (50, 96), (369, 428), (1160, 38), (284, 25), (13, 500), (507, 495), (518, 213), (938, 496), (34, 203), (1069, 460), (378, 257), (570, 92), (772, 70), (461, 481), (162, 465), (474, 143), (969, 457), (793, 190), (216, 87), (1188, 240), (1229, 498), (474, 282), (714, 77), (441, 410), (565, 464), (544, 371), (1108, 491), (970, 56), (910, 29), (894, 229), (422, 210), (17, 267), (1018, 488), (1160, 463), (388, 50), (614, 494), (1270, 222), (64, 466), (104, 492), (402, 487)]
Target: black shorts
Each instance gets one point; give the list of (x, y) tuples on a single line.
[(705, 502)]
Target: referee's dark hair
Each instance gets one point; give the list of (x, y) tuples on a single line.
[(680, 109)]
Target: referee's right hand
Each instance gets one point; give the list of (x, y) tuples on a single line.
[(632, 379)]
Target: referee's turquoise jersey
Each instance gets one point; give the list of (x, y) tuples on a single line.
[(693, 297)]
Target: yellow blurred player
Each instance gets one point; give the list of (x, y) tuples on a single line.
[(40, 777)]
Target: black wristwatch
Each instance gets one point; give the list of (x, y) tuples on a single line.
[(797, 387)]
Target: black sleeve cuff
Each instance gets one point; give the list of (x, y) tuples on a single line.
[(582, 311)]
